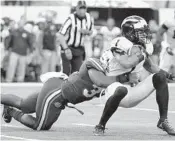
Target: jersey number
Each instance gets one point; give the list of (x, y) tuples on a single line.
[(92, 92)]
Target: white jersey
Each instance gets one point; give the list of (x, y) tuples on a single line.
[(170, 26), (110, 62), (123, 45)]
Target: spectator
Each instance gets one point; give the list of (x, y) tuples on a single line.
[(109, 32), (36, 62), (97, 45), (71, 37), (8, 25), (49, 49), (19, 42)]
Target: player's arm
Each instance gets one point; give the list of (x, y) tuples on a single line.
[(130, 61), (100, 79), (153, 68), (95, 64)]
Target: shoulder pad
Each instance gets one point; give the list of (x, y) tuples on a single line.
[(122, 43)]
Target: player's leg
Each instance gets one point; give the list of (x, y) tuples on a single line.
[(55, 104), (49, 104), (136, 94), (110, 107), (11, 100), (27, 105), (143, 90), (162, 98), (166, 61), (48, 93), (25, 119)]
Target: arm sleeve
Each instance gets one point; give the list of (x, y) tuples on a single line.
[(95, 64), (100, 79), (65, 27)]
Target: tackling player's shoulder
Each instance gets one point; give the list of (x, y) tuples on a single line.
[(121, 43)]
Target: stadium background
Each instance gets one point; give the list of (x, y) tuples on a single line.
[(155, 12)]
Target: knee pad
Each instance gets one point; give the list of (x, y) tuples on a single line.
[(111, 89), (159, 79), (121, 91)]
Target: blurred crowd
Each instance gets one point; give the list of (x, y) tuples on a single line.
[(24, 44)]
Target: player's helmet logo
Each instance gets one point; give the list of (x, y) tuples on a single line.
[(136, 29)]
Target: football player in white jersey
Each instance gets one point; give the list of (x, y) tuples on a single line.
[(148, 75), (168, 58)]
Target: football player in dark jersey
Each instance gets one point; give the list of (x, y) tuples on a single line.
[(55, 94)]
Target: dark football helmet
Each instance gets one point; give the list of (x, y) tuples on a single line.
[(136, 29)]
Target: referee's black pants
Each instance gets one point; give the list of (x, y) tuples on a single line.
[(70, 66)]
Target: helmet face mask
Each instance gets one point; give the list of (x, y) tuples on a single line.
[(135, 29), (143, 35)]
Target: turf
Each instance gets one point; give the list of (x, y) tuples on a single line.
[(138, 123)]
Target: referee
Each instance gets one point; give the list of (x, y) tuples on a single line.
[(71, 38)]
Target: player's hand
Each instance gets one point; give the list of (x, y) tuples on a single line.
[(171, 77), (133, 79), (68, 53)]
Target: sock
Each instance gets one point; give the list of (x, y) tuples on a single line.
[(112, 104), (11, 100), (25, 119), (162, 94), (15, 114)]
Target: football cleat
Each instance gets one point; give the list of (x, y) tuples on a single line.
[(7, 118), (165, 126), (99, 130)]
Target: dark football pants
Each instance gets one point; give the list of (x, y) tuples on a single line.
[(28, 105), (49, 105), (70, 66)]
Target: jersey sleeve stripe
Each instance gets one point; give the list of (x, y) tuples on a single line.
[(95, 63)]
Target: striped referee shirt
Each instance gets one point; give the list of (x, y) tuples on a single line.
[(71, 29)]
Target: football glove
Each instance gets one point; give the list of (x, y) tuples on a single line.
[(168, 75)]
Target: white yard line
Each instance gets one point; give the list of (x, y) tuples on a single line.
[(150, 110), (18, 138), (139, 109), (13, 126), (83, 124)]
